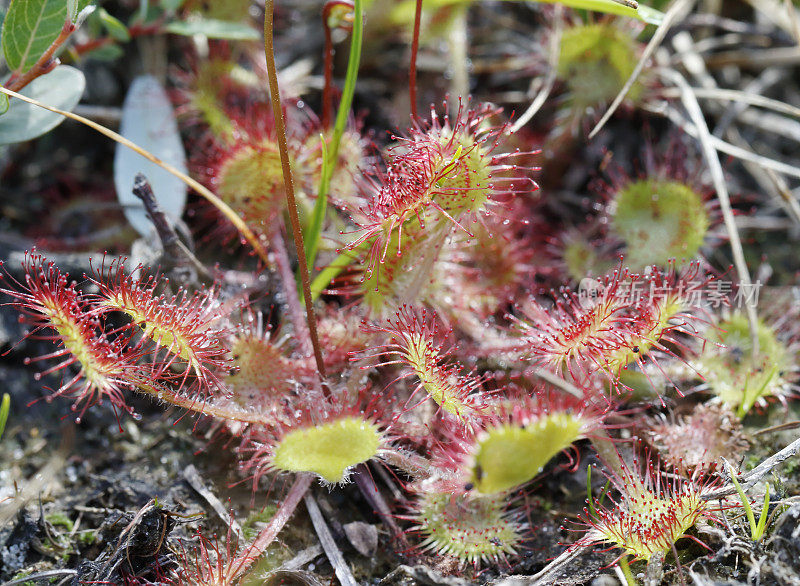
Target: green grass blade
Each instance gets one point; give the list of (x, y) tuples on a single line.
[(5, 407), (762, 518), (589, 499), (314, 230), (329, 273), (745, 502), (320, 207)]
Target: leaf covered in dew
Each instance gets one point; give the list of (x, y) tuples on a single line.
[(659, 221), (329, 449), (148, 120), (62, 88), (739, 376), (470, 528)]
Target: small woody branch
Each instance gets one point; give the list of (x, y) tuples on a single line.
[(46, 63)]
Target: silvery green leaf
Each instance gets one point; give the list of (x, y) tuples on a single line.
[(62, 88), (214, 29), (149, 121)]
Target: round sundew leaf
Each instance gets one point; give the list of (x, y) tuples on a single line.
[(471, 529), (659, 221), (739, 377), (328, 450), (250, 180), (510, 455), (596, 60), (653, 323)]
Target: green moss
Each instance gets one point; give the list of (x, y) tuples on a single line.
[(328, 450), (22, 574), (510, 455), (259, 516), (59, 519), (659, 221), (87, 537)]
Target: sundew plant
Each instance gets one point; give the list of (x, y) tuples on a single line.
[(489, 275)]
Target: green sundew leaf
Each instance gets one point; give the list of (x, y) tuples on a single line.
[(214, 29), (509, 455), (114, 27), (30, 27), (404, 12), (643, 13), (61, 88), (3, 104), (329, 449)]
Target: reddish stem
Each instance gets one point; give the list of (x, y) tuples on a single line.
[(412, 70), (297, 232), (295, 310), (245, 559), (327, 90), (137, 30), (45, 64)]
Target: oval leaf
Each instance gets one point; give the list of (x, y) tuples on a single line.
[(149, 121), (61, 88), (29, 29), (214, 29), (115, 28)]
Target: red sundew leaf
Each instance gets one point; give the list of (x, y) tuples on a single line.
[(58, 312)]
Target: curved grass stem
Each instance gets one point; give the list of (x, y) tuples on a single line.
[(206, 193)]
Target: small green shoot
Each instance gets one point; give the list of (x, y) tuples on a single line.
[(756, 529), (589, 498), (5, 407)]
